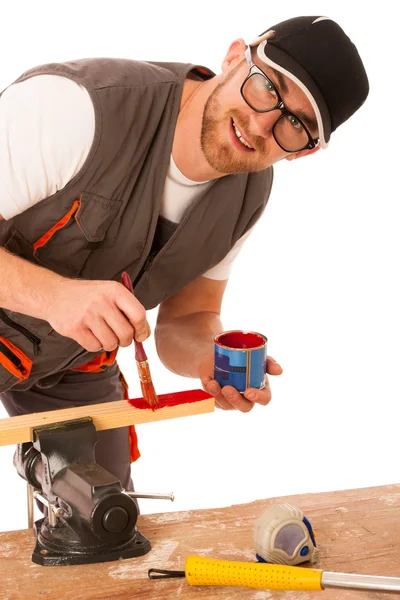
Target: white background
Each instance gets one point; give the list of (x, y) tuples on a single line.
[(318, 277)]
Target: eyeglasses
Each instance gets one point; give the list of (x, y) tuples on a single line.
[(261, 95)]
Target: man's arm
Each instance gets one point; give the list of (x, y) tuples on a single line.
[(186, 325), (96, 314)]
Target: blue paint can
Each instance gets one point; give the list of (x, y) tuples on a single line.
[(240, 359)]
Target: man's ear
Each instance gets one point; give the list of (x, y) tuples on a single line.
[(294, 155), (234, 55)]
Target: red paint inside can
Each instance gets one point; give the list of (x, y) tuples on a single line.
[(240, 340)]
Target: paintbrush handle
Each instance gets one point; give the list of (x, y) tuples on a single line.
[(140, 354), (126, 281)]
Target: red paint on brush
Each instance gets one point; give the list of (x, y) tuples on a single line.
[(171, 399)]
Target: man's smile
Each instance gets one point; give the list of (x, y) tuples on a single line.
[(241, 137)]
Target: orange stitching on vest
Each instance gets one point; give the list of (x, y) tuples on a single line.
[(61, 223)]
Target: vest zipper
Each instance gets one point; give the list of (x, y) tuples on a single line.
[(145, 267), (149, 260), (12, 358), (36, 341)]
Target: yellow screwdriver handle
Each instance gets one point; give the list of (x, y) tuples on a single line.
[(210, 571)]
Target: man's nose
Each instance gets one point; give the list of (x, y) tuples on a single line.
[(263, 123)]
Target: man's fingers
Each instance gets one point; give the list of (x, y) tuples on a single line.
[(211, 386), (121, 327), (88, 340), (228, 398), (142, 331), (256, 396), (273, 368), (220, 402), (97, 314), (236, 399), (148, 330), (104, 334), (135, 313)]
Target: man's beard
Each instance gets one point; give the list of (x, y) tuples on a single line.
[(219, 154)]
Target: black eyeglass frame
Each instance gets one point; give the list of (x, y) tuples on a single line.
[(253, 70)]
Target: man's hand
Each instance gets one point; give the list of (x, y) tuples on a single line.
[(228, 398), (96, 314)]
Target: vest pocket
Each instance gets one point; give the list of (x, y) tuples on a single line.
[(27, 333), (15, 366), (67, 244)]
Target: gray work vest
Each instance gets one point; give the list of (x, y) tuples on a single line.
[(104, 221)]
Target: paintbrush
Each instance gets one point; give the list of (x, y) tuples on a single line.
[(148, 391)]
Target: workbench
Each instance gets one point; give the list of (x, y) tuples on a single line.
[(358, 531)]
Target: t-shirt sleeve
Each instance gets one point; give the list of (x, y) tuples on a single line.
[(223, 269), (47, 126)]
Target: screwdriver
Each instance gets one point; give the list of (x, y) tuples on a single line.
[(210, 571)]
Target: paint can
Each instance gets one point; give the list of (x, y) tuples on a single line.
[(240, 359)]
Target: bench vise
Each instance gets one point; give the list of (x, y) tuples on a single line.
[(89, 518)]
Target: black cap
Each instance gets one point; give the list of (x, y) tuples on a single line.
[(317, 55)]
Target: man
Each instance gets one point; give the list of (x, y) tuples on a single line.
[(158, 169)]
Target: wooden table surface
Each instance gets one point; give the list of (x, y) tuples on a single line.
[(358, 531)]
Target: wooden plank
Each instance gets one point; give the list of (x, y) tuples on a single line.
[(357, 531), (16, 430)]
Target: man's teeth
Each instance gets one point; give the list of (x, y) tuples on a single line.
[(239, 136)]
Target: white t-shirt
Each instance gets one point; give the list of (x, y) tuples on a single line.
[(47, 126)]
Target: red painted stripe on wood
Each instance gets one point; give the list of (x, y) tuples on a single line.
[(172, 399)]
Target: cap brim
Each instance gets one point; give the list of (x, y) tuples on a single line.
[(285, 64)]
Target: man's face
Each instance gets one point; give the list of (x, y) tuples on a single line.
[(234, 137)]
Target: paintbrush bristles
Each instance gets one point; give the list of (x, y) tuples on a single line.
[(149, 394), (146, 384), (148, 391)]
